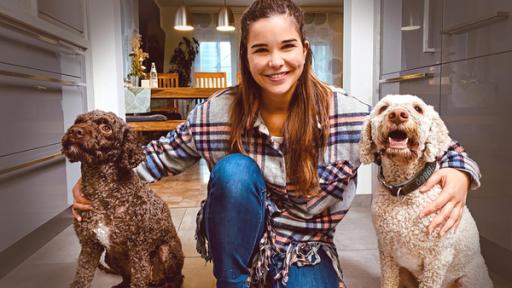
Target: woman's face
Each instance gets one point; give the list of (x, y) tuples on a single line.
[(275, 54)]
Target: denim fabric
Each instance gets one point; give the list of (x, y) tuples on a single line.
[(321, 275), (234, 217), (235, 222)]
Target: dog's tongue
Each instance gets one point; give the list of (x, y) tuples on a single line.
[(397, 144)]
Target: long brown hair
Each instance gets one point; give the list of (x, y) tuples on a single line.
[(305, 140)]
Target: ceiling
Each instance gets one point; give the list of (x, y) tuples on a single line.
[(245, 2)]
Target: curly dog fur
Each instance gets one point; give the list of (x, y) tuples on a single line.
[(128, 221), (407, 134)]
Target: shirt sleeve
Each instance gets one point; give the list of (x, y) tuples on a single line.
[(455, 157), (169, 155)]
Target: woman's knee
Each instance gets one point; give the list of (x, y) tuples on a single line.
[(236, 175)]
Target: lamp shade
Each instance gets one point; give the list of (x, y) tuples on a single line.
[(226, 20), (182, 21)]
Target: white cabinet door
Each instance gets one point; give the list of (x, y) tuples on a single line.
[(410, 34), (473, 28)]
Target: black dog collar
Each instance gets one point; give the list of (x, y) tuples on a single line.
[(410, 185)]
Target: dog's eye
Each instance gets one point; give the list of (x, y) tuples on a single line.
[(418, 109), (383, 108), (105, 128)]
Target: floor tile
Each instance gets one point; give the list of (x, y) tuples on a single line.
[(356, 231), (360, 267)]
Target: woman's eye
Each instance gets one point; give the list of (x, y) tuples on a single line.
[(383, 108), (288, 46), (260, 50), (418, 109)]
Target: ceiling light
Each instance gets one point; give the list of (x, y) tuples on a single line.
[(226, 20), (182, 21)]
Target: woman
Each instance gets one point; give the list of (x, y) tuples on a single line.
[(282, 148)]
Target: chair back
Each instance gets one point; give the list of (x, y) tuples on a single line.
[(210, 80), (168, 80)]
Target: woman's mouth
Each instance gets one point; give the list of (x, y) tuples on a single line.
[(277, 76)]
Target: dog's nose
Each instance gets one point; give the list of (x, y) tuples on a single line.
[(77, 132), (398, 115)]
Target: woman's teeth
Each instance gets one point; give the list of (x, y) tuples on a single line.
[(277, 76)]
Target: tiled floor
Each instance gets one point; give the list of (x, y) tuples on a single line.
[(54, 264)]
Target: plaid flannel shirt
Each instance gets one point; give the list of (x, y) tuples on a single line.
[(297, 227)]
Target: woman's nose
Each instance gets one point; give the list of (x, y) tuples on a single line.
[(275, 60)]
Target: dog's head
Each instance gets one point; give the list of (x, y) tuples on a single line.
[(403, 128), (99, 137)]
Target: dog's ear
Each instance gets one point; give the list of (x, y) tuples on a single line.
[(438, 139), (367, 147), (131, 151)]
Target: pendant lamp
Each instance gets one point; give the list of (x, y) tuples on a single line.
[(226, 20), (182, 20)]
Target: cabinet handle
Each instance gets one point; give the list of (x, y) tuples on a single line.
[(30, 163), (410, 77), (464, 27), (426, 28), (62, 45), (41, 78)]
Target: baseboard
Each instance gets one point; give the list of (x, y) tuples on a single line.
[(15, 254), (497, 258)]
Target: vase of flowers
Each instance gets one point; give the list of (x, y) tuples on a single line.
[(182, 59), (138, 56)]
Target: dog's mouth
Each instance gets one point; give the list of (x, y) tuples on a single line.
[(398, 139)]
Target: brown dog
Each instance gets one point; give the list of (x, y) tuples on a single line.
[(128, 220)]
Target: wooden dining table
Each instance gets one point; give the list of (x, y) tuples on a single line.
[(182, 93), (179, 93)]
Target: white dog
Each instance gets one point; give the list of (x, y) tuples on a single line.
[(409, 135)]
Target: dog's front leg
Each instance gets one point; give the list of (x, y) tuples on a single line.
[(139, 268), (389, 270), (435, 269), (87, 263)]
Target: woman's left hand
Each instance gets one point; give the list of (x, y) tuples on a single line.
[(450, 203)]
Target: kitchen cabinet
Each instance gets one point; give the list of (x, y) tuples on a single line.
[(42, 89), (423, 82), (476, 101), (473, 28), (410, 34), (67, 13), (467, 80)]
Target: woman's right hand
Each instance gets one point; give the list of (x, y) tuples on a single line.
[(80, 203)]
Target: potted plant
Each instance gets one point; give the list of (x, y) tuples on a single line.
[(182, 59), (138, 56)]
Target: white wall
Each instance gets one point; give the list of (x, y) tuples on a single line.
[(105, 71), (358, 68)]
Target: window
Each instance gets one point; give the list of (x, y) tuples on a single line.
[(322, 56), (215, 56)]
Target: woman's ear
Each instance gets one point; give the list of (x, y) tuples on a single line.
[(437, 140), (305, 47), (367, 147), (131, 151)]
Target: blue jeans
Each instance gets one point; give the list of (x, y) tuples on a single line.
[(234, 216)]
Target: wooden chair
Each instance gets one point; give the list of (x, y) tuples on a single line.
[(168, 80), (210, 80)]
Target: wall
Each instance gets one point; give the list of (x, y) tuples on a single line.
[(358, 69), (105, 90)]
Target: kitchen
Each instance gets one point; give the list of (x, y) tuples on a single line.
[(62, 58)]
